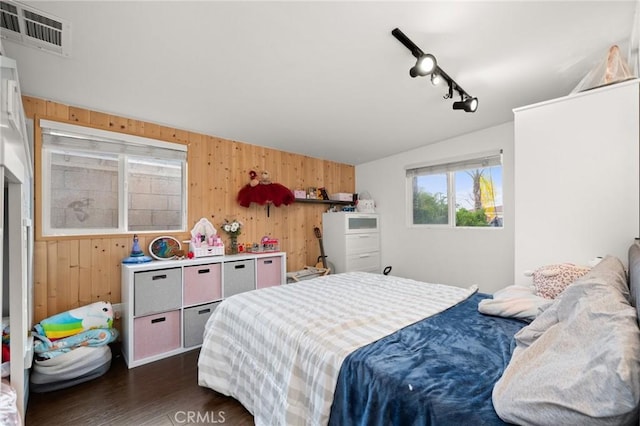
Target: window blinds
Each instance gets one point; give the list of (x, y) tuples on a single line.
[(479, 161), (65, 136)]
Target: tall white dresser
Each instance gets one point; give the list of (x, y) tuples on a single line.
[(352, 241)]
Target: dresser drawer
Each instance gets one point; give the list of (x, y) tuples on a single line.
[(239, 276), (269, 271), (202, 283), (365, 262), (355, 222), (362, 243), (195, 319), (156, 334), (157, 291)]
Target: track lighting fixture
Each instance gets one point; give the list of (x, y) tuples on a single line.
[(468, 104), (426, 64)]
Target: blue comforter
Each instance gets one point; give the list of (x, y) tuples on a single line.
[(438, 371)]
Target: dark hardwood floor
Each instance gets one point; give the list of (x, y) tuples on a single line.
[(162, 393)]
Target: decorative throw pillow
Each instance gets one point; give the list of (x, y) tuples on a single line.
[(551, 280)]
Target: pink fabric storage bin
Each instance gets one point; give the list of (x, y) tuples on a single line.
[(202, 283), (156, 334), (269, 271)]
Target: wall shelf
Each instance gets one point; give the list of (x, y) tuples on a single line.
[(320, 201)]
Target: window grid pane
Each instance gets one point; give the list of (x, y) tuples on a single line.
[(430, 201), (154, 194), (84, 191), (478, 194)]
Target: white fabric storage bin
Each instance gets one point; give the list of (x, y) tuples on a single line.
[(269, 271), (156, 334), (195, 319), (157, 291), (239, 276), (202, 283)]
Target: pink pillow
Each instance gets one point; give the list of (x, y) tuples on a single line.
[(551, 280)]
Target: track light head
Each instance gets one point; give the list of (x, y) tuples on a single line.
[(425, 65), (472, 104), (468, 104), (436, 79)]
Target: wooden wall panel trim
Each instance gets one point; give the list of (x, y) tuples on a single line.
[(74, 271), (40, 293), (84, 272)]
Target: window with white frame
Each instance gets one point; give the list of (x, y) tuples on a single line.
[(100, 182), (460, 193)]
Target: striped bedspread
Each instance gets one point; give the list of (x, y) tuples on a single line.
[(279, 350)]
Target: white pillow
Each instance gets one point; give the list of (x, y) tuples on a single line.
[(514, 301)]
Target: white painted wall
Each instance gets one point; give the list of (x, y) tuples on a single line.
[(461, 257)]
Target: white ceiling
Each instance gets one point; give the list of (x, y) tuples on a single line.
[(323, 79)]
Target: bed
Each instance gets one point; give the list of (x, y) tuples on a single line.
[(360, 348)]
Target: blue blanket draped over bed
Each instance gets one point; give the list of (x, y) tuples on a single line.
[(438, 371)]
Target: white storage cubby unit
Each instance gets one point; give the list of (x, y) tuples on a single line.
[(165, 304), (352, 241)]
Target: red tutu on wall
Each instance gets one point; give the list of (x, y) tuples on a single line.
[(264, 191)]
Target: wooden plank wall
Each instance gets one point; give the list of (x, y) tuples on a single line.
[(71, 272)]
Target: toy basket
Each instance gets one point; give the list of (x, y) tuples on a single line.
[(267, 245), (365, 203)]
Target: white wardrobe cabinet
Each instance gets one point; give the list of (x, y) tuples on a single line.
[(577, 177)]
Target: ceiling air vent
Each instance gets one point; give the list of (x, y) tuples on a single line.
[(23, 24)]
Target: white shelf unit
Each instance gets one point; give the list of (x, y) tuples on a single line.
[(352, 241), (165, 304)]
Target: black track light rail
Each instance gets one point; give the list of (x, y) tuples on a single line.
[(402, 38), (417, 52)]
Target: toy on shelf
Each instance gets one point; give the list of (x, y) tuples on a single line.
[(267, 244), (136, 256), (165, 248), (205, 240)]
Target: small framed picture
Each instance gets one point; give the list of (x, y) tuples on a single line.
[(313, 192)]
